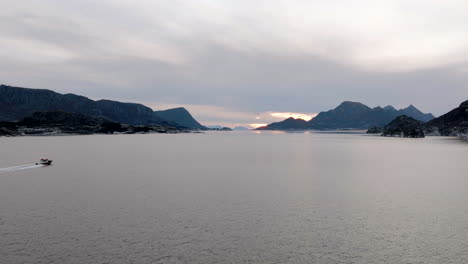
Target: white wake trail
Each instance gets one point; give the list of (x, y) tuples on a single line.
[(21, 167)]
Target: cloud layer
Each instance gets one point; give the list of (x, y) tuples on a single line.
[(247, 56)]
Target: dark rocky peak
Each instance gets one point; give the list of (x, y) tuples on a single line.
[(404, 126), (18, 95), (403, 120), (287, 124), (181, 116), (411, 108), (353, 106), (180, 109), (292, 120), (75, 96), (464, 104), (453, 122), (176, 111), (389, 108), (5, 87)]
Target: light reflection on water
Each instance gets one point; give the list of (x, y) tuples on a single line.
[(235, 197)]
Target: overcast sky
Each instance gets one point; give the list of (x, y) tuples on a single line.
[(241, 61)]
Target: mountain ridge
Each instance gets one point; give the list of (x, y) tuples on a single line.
[(453, 123), (18, 102), (287, 124), (351, 115), (181, 116)]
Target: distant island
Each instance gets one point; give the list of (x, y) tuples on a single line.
[(219, 128), (19, 106), (223, 128), (387, 121), (240, 128), (349, 115)]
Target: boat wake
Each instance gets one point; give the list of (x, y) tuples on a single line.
[(21, 167)]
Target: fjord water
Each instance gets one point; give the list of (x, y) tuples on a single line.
[(234, 197)]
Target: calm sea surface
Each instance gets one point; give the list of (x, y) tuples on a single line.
[(234, 197)]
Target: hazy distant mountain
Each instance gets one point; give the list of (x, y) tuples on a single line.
[(181, 116), (17, 103), (288, 124), (354, 115), (219, 128), (350, 115), (413, 112), (390, 108), (240, 128)]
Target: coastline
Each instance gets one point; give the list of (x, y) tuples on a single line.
[(45, 132)]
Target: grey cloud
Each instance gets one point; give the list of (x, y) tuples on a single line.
[(177, 57)]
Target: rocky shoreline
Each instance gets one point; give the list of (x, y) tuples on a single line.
[(56, 131), (404, 126), (453, 123), (59, 123)]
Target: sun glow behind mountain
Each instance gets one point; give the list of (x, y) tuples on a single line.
[(219, 53), (224, 116), (279, 116), (257, 125), (284, 115)]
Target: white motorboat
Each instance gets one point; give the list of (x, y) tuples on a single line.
[(45, 162)]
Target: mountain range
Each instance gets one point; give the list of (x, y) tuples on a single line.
[(350, 115), (17, 103), (453, 123)]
